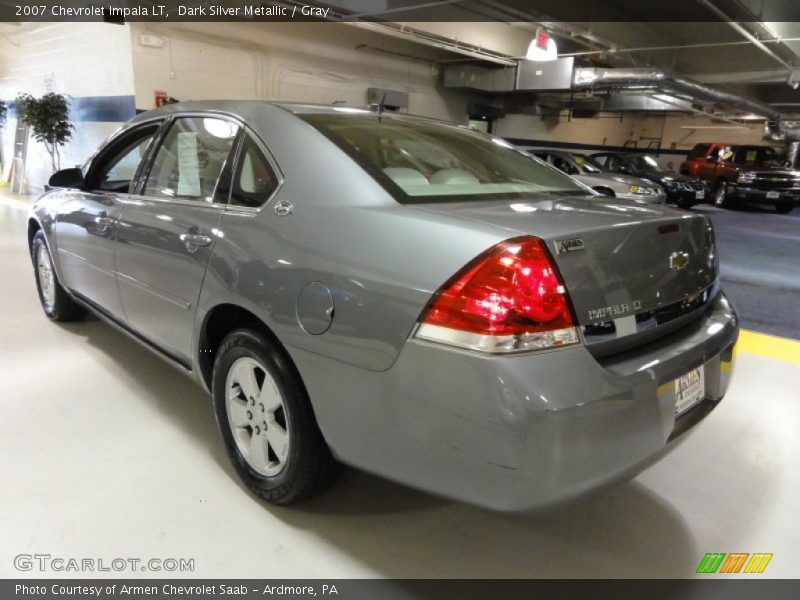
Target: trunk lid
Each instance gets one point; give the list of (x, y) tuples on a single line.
[(618, 259)]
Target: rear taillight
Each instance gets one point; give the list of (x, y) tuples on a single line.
[(509, 299)]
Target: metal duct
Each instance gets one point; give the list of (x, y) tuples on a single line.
[(593, 77)]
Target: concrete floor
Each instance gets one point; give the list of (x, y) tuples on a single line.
[(106, 452)]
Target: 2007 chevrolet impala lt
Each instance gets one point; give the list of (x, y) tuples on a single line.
[(411, 297)]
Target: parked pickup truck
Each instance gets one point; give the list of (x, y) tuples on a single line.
[(756, 174)]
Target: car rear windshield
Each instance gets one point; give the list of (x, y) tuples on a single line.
[(427, 161)]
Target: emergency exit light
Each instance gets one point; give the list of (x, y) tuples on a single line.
[(542, 47)]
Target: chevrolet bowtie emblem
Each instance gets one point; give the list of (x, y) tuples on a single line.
[(678, 260)]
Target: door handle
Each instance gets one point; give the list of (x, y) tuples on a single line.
[(193, 238)]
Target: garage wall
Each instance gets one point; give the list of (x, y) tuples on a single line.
[(63, 57), (305, 62)]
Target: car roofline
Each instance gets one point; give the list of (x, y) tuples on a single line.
[(234, 107)]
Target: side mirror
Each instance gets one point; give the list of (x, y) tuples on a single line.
[(712, 158), (624, 169), (66, 178)]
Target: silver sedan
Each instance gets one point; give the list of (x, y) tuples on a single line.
[(407, 296), (591, 173)]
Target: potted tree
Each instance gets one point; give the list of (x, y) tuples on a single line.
[(48, 118)]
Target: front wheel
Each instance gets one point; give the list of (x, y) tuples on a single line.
[(57, 304), (267, 421), (784, 207)]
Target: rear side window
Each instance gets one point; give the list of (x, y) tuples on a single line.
[(190, 160), (254, 180), (699, 151)]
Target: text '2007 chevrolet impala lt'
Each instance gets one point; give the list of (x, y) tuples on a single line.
[(407, 296)]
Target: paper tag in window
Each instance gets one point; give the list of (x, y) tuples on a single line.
[(188, 167)]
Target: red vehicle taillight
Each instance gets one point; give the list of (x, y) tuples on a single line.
[(511, 298)]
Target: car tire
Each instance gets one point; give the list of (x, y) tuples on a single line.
[(721, 195), (56, 302), (267, 422), (784, 207), (685, 204)]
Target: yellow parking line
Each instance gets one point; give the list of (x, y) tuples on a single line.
[(769, 346)]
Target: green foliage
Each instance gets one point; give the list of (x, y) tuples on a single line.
[(48, 118)]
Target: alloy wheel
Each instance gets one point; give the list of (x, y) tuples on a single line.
[(257, 416), (47, 283)]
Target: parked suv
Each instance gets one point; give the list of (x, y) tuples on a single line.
[(683, 191), (745, 174), (590, 173)]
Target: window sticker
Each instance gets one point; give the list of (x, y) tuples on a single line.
[(751, 156), (188, 165)]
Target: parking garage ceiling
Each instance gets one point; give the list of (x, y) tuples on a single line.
[(750, 47)]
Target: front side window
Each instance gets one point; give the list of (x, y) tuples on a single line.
[(113, 171), (564, 165), (421, 161), (586, 164), (254, 180), (189, 162), (614, 163)]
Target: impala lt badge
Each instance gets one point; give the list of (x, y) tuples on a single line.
[(678, 260)]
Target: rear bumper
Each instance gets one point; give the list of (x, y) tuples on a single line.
[(759, 196), (516, 433)]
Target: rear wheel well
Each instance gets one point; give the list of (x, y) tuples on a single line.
[(219, 322)]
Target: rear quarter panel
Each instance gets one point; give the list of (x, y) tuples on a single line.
[(381, 260)]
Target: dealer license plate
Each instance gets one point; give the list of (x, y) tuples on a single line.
[(700, 194), (773, 195), (689, 390)]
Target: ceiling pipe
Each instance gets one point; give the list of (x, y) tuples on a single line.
[(590, 78)]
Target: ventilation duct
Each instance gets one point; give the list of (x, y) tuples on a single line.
[(592, 78), (508, 80)]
